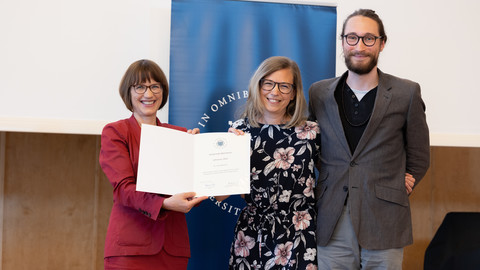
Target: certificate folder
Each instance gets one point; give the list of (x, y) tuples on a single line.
[(210, 164)]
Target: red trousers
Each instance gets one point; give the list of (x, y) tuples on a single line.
[(160, 261)]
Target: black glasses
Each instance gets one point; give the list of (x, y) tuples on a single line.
[(268, 85), (141, 89), (369, 40)]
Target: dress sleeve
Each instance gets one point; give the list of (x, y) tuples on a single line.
[(116, 162), (240, 124)]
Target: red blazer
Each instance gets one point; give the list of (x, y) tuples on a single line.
[(138, 225)]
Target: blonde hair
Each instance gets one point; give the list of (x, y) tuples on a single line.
[(254, 107)]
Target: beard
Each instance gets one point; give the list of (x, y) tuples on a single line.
[(361, 68)]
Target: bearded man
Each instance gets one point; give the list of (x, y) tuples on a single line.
[(374, 151)]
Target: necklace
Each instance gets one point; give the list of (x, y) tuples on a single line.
[(344, 90)]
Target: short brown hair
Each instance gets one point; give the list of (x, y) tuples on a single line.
[(139, 72), (296, 109)]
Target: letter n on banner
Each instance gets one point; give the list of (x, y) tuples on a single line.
[(216, 45)]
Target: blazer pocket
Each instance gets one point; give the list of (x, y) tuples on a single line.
[(134, 229), (392, 195)]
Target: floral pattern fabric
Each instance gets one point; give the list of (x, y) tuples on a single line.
[(276, 229)]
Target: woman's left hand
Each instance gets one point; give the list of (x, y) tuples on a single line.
[(236, 131), (193, 131)]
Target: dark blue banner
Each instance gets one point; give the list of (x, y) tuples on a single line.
[(216, 45)]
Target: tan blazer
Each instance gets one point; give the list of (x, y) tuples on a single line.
[(395, 141)]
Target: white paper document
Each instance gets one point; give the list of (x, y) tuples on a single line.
[(210, 164)]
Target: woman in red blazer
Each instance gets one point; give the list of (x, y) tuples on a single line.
[(146, 230)]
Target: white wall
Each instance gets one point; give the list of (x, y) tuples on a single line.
[(61, 61), (434, 43)]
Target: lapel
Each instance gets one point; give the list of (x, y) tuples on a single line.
[(135, 129), (333, 114), (382, 100)]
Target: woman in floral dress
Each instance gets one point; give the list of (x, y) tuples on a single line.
[(276, 229)]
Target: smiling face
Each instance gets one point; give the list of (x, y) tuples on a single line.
[(275, 102), (146, 105), (360, 58)]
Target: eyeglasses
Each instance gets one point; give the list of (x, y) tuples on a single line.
[(269, 85), (369, 40), (141, 89)]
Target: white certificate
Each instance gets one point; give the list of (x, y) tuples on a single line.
[(210, 164)]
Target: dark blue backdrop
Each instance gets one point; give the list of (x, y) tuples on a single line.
[(216, 45)]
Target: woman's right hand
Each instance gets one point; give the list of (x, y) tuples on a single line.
[(182, 202)]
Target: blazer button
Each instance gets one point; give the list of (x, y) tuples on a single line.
[(345, 188), (352, 164)]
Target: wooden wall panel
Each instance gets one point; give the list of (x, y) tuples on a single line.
[(105, 201), (421, 207), (3, 136), (105, 206), (451, 185), (457, 174), (49, 201), (57, 201)]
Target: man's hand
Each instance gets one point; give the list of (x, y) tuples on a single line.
[(409, 183)]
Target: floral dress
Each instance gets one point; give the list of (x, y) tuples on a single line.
[(276, 229)]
